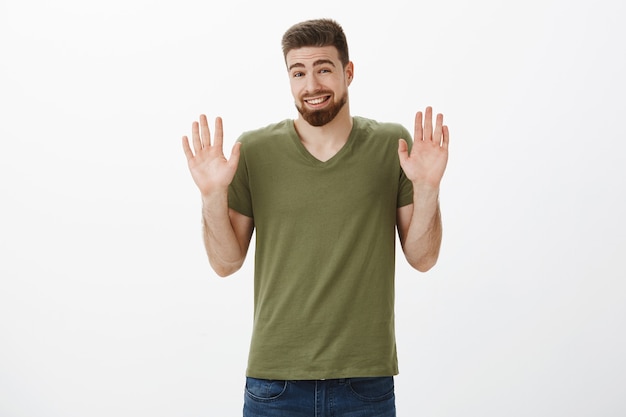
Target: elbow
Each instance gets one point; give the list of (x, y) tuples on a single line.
[(423, 264), (424, 267), (225, 270), (223, 273)]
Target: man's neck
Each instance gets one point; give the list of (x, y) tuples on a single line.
[(323, 142)]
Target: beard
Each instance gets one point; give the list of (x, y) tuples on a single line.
[(321, 117)]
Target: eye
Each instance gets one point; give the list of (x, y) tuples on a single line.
[(297, 74), (324, 71)]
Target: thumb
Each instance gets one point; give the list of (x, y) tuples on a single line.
[(403, 150), (233, 161)]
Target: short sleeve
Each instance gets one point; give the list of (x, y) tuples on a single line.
[(405, 188), (239, 197)]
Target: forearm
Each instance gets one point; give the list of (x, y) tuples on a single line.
[(220, 240), (423, 238)]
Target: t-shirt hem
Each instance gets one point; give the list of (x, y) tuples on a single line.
[(319, 375)]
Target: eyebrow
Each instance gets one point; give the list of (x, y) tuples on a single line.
[(316, 63)]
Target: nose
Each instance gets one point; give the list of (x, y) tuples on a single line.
[(312, 83)]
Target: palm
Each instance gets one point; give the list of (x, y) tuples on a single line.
[(428, 158), (209, 167)]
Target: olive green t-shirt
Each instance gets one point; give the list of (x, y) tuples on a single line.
[(325, 251)]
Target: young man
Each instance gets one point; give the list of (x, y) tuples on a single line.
[(325, 193)]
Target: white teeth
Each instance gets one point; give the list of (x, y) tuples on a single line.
[(317, 100)]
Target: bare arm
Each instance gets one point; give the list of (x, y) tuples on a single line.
[(420, 230), (419, 224), (226, 233)]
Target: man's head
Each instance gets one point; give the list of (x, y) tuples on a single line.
[(316, 55), (317, 32)]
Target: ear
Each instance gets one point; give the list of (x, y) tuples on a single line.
[(349, 72)]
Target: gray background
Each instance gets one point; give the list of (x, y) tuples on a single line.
[(108, 306)]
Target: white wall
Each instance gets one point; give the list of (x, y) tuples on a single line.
[(107, 304)]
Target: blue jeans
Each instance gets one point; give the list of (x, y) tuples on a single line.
[(349, 397)]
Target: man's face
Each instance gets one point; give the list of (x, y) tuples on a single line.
[(319, 83)]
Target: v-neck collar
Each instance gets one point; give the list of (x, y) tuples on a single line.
[(309, 156)]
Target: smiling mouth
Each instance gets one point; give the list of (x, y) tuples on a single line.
[(317, 100)]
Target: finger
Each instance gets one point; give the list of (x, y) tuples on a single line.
[(403, 150), (428, 123), (234, 155), (446, 137), (438, 127), (205, 132), (219, 133), (187, 149), (195, 135), (418, 135)]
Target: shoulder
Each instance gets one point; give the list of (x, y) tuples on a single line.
[(266, 133), (380, 130)]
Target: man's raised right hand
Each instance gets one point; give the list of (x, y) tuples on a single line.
[(210, 169)]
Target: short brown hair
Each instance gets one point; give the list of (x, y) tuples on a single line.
[(316, 32)]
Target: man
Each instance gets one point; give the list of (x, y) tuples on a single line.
[(325, 193)]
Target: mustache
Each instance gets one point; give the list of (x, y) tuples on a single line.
[(316, 93)]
